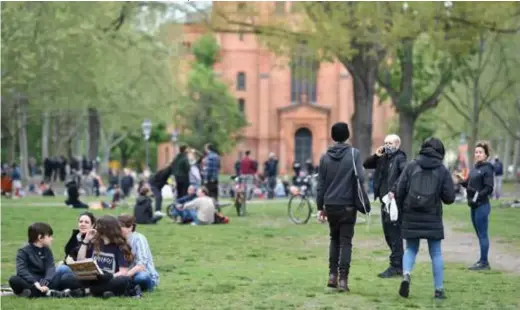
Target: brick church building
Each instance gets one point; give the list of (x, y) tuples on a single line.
[(290, 105)]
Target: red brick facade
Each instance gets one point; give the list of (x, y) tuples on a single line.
[(274, 119)]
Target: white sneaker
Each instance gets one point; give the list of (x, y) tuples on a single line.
[(159, 213)]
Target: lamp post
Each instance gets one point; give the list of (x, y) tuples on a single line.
[(147, 130), (175, 135)]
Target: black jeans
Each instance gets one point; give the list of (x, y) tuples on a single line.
[(394, 240), (341, 226), (158, 197), (212, 187), (59, 282), (182, 185), (120, 286)]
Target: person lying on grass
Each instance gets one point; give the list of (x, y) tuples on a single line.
[(36, 275), (142, 270), (108, 247), (201, 210), (143, 210)]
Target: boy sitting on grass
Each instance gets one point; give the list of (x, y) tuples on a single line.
[(36, 275)]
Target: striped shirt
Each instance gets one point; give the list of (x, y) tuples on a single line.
[(143, 255)]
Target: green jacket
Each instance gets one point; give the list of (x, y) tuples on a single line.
[(181, 166)]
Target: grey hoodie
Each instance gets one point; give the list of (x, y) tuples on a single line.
[(336, 179)]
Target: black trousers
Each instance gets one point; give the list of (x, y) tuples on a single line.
[(120, 286), (394, 240), (158, 197), (58, 283), (182, 185), (213, 189), (341, 226)]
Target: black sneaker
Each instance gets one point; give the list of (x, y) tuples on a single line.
[(390, 272), (404, 289), (136, 292), (77, 293), (439, 294), (480, 266), (108, 294), (25, 293)]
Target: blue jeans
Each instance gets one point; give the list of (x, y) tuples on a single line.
[(144, 280), (434, 246), (186, 214), (63, 269), (480, 220)]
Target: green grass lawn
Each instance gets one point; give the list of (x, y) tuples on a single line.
[(262, 262)]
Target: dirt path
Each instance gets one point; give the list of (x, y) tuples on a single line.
[(461, 247)]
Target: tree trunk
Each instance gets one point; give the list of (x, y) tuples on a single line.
[(516, 156), (406, 130), (45, 134), (507, 155), (22, 125), (94, 130), (363, 73)]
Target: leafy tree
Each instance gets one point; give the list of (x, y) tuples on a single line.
[(361, 35), (209, 114)]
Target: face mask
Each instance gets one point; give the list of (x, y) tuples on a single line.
[(193, 162), (390, 149)]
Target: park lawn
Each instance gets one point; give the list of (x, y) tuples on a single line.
[(503, 222), (259, 262)]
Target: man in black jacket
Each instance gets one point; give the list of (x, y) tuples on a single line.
[(181, 170), (389, 162), (335, 202)]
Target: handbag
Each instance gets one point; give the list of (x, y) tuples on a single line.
[(361, 200)]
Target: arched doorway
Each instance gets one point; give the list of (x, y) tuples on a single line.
[(302, 145)]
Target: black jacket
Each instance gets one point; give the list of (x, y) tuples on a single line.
[(336, 179), (181, 166), (160, 178), (388, 168), (271, 168), (425, 225), (32, 268), (143, 210), (481, 180), (72, 246)]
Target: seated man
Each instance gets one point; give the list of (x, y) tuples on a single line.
[(143, 210), (174, 210), (73, 196), (142, 270), (201, 210)]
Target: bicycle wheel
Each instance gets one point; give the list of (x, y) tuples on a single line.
[(240, 204), (169, 211), (299, 209)]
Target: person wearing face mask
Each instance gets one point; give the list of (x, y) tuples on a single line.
[(479, 187), (389, 162)]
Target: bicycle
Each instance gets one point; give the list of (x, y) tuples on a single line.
[(240, 200), (301, 201)]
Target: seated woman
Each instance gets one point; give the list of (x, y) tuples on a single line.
[(86, 222), (142, 271), (107, 246), (201, 210), (73, 196), (143, 210), (46, 189), (174, 210), (36, 275)]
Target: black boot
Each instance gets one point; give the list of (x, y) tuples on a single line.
[(391, 272), (343, 285), (439, 294), (480, 266), (333, 281), (404, 289)]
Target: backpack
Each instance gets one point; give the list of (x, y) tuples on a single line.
[(423, 194)]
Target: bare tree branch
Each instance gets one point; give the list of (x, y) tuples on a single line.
[(504, 123), (456, 107)]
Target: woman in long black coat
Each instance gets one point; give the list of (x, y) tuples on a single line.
[(422, 188)]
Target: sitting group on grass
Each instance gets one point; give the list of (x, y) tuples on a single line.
[(121, 253)]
